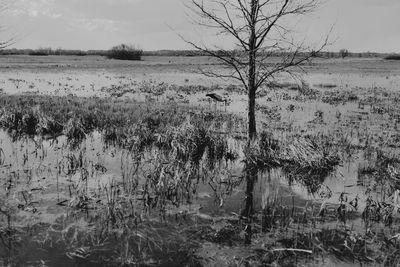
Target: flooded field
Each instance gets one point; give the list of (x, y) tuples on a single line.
[(114, 163)]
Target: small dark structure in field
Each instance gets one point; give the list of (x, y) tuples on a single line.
[(218, 98), (125, 52)]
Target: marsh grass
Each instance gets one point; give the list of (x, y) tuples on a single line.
[(337, 97), (307, 160), (384, 168), (382, 172), (121, 121), (299, 232)]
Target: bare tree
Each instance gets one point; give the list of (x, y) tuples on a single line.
[(265, 48), (344, 53), (259, 32)]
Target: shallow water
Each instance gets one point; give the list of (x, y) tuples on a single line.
[(42, 169), (86, 76), (40, 185)]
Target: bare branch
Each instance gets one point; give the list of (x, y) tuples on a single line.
[(5, 5), (225, 25)]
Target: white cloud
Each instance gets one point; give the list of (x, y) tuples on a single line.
[(94, 24), (34, 8)]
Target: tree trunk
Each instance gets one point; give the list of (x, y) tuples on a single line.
[(248, 211), (251, 175), (252, 130)]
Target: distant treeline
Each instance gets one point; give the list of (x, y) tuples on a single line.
[(324, 54), (52, 52), (67, 52)]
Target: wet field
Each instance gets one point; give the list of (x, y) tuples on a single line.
[(113, 163)]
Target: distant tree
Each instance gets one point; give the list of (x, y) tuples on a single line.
[(125, 52), (392, 57), (41, 51), (344, 53)]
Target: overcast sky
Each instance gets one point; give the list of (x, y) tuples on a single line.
[(358, 25)]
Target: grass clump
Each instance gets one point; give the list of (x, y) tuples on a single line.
[(264, 155), (337, 97), (307, 160), (29, 122), (381, 175), (384, 169), (301, 154)]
